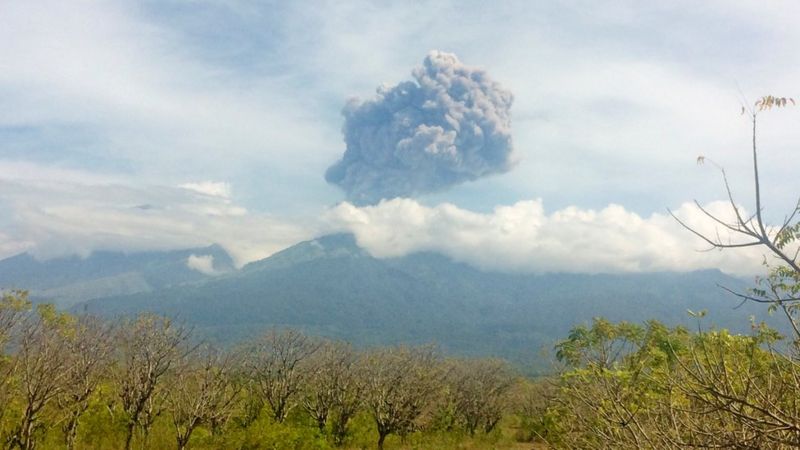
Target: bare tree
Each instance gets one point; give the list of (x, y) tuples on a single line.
[(204, 392), (754, 395), (150, 347), (89, 352), (252, 400), (332, 390), (781, 289), (534, 402), (274, 363), (399, 384), (13, 305), (43, 358), (478, 389)]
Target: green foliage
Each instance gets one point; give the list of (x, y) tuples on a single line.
[(15, 300), (630, 386)]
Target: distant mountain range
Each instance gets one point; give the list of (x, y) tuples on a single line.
[(66, 281), (329, 286)]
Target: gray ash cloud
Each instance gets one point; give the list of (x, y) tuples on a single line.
[(449, 125)]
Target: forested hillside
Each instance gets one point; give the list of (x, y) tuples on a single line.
[(331, 287)]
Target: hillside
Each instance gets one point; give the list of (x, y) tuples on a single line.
[(68, 280), (329, 286)]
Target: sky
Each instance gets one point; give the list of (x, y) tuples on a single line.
[(172, 124)]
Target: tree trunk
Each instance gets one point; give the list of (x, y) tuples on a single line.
[(129, 435), (490, 425), (183, 438), (279, 412), (71, 431), (26, 431), (339, 430), (381, 437), (321, 421), (146, 435), (216, 427)]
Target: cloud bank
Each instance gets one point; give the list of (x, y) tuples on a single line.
[(524, 238), (450, 125), (54, 213)]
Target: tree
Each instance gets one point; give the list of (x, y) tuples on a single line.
[(755, 399), (399, 384), (150, 346), (204, 392), (742, 382), (605, 386), (252, 399), (89, 352), (332, 388), (13, 306), (478, 389), (274, 363), (43, 360), (781, 288), (633, 387)]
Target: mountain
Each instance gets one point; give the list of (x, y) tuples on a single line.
[(330, 286), (69, 280)]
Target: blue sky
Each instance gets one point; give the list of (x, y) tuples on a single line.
[(222, 117)]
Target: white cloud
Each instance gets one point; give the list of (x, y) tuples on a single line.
[(66, 216), (70, 215), (212, 188), (131, 88), (16, 170), (203, 264), (10, 246), (523, 237)]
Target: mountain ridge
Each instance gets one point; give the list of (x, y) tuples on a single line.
[(332, 287), (70, 279), (329, 286)]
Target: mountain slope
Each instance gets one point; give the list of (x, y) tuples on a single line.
[(330, 286), (69, 280)]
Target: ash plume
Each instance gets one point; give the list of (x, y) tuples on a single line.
[(449, 125)]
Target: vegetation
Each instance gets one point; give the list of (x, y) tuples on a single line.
[(630, 386), (342, 293), (82, 382), (70, 381)]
